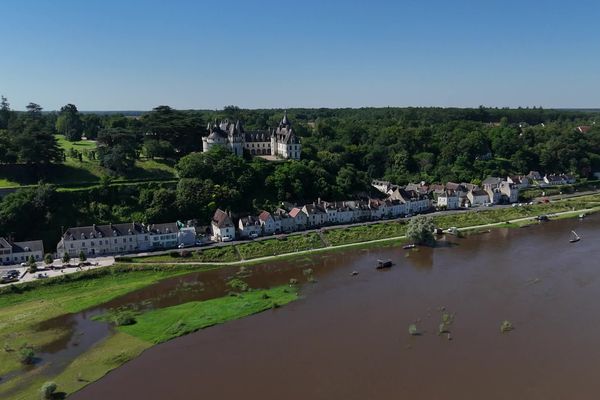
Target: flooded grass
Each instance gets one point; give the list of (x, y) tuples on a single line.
[(163, 324)]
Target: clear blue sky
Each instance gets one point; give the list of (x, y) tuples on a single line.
[(137, 54)]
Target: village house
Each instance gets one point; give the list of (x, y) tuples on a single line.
[(478, 197), (315, 215), (18, 252), (519, 181), (449, 200), (98, 240), (284, 221), (511, 191), (222, 226), (299, 218), (249, 227), (535, 177), (269, 224), (554, 180)]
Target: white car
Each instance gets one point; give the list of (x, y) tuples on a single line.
[(253, 235), (226, 239)]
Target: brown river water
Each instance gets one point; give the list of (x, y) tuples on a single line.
[(347, 337)]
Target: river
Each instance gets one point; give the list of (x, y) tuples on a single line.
[(347, 337)]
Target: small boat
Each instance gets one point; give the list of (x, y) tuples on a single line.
[(409, 246), (581, 216), (354, 273), (384, 264), (575, 237)]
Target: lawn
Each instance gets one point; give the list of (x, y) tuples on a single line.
[(213, 254), (163, 324), (271, 247), (73, 172)]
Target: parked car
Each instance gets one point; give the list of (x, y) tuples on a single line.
[(253, 235), (183, 245), (24, 264), (226, 239)]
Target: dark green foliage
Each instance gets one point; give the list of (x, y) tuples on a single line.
[(48, 389), (420, 230), (26, 355)]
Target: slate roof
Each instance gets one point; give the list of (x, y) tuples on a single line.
[(221, 219), (32, 245)]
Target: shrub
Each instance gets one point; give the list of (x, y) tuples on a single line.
[(185, 254), (32, 268), (413, 330), (174, 254), (420, 230), (506, 326), (237, 284), (123, 318), (48, 390), (66, 258), (82, 256), (26, 356), (48, 259)]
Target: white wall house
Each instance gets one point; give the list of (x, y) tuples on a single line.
[(284, 221), (268, 223), (315, 215), (222, 226), (299, 217), (249, 226), (18, 252), (448, 200), (511, 191), (97, 240), (478, 197)]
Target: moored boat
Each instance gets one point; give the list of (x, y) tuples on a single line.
[(384, 264), (574, 238), (409, 246)]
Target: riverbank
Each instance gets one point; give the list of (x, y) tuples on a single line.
[(25, 306), (374, 234), (25, 315)]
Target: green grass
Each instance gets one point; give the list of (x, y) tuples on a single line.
[(213, 254), (364, 233), (271, 247), (163, 324), (89, 367), (20, 312), (78, 145)]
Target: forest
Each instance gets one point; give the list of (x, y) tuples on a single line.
[(342, 151)]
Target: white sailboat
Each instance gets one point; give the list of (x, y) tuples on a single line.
[(575, 237)]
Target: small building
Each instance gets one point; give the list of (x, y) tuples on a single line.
[(510, 191), (491, 182), (554, 180), (18, 252), (315, 215), (269, 224), (519, 181), (283, 221), (299, 217), (222, 226), (249, 226), (478, 197), (449, 200)]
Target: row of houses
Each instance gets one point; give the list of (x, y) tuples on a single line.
[(98, 240), (291, 218)]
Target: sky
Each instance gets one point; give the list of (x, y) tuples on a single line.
[(138, 54)]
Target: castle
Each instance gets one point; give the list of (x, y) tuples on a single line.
[(280, 142)]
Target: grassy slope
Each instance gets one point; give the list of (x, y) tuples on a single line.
[(73, 171), (271, 247), (163, 324)]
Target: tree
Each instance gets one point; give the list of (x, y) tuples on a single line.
[(5, 112), (48, 259), (172, 133), (118, 149), (82, 256), (48, 389), (66, 258), (69, 122), (420, 230)]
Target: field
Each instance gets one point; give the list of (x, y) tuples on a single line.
[(84, 173), (163, 324)]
